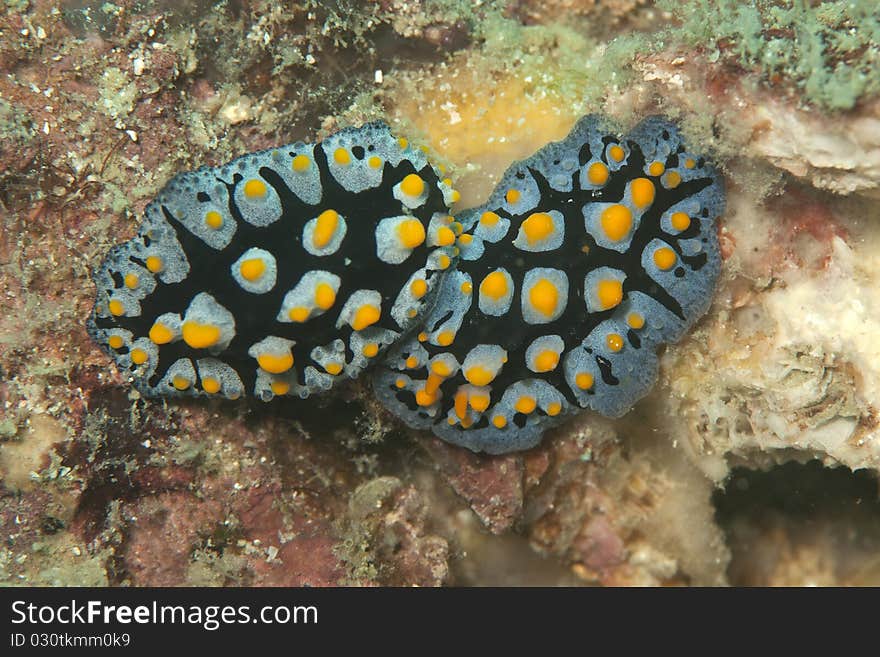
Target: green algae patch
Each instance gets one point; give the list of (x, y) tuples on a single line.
[(15, 125), (829, 51)]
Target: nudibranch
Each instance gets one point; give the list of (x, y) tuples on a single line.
[(289, 270), (280, 273), (586, 257)]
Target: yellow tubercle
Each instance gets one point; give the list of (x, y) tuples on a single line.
[(445, 338), (412, 185), (441, 368), (341, 157), (370, 350), (525, 404), (489, 219), (280, 387), (131, 280), (597, 174), (181, 383), (115, 341), (325, 227), (116, 308), (301, 163), (479, 375), (672, 179), (255, 189), (138, 356), (512, 196), (616, 153), (333, 368), (433, 383), (213, 220), (200, 336), (461, 404), (365, 316), (154, 264), (418, 288), (275, 363), (425, 398), (479, 402), (411, 233), (375, 162), (584, 380), (616, 222), (656, 168), (252, 269), (412, 362), (299, 314), (635, 320), (325, 296), (160, 334), (554, 408), (538, 227), (614, 341), (499, 421), (494, 285), (609, 292), (210, 385), (467, 287), (445, 236), (643, 192), (544, 297), (680, 221), (546, 361), (665, 258)]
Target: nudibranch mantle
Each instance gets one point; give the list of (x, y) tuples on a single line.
[(280, 273), (288, 270), (586, 258)]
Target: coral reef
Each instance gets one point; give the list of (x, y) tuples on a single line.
[(101, 103)]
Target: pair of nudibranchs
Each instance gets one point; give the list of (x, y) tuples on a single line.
[(290, 270)]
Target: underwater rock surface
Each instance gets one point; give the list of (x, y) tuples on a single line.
[(99, 109)]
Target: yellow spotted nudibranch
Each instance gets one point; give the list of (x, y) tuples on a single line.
[(587, 256), (280, 273), (286, 271)]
